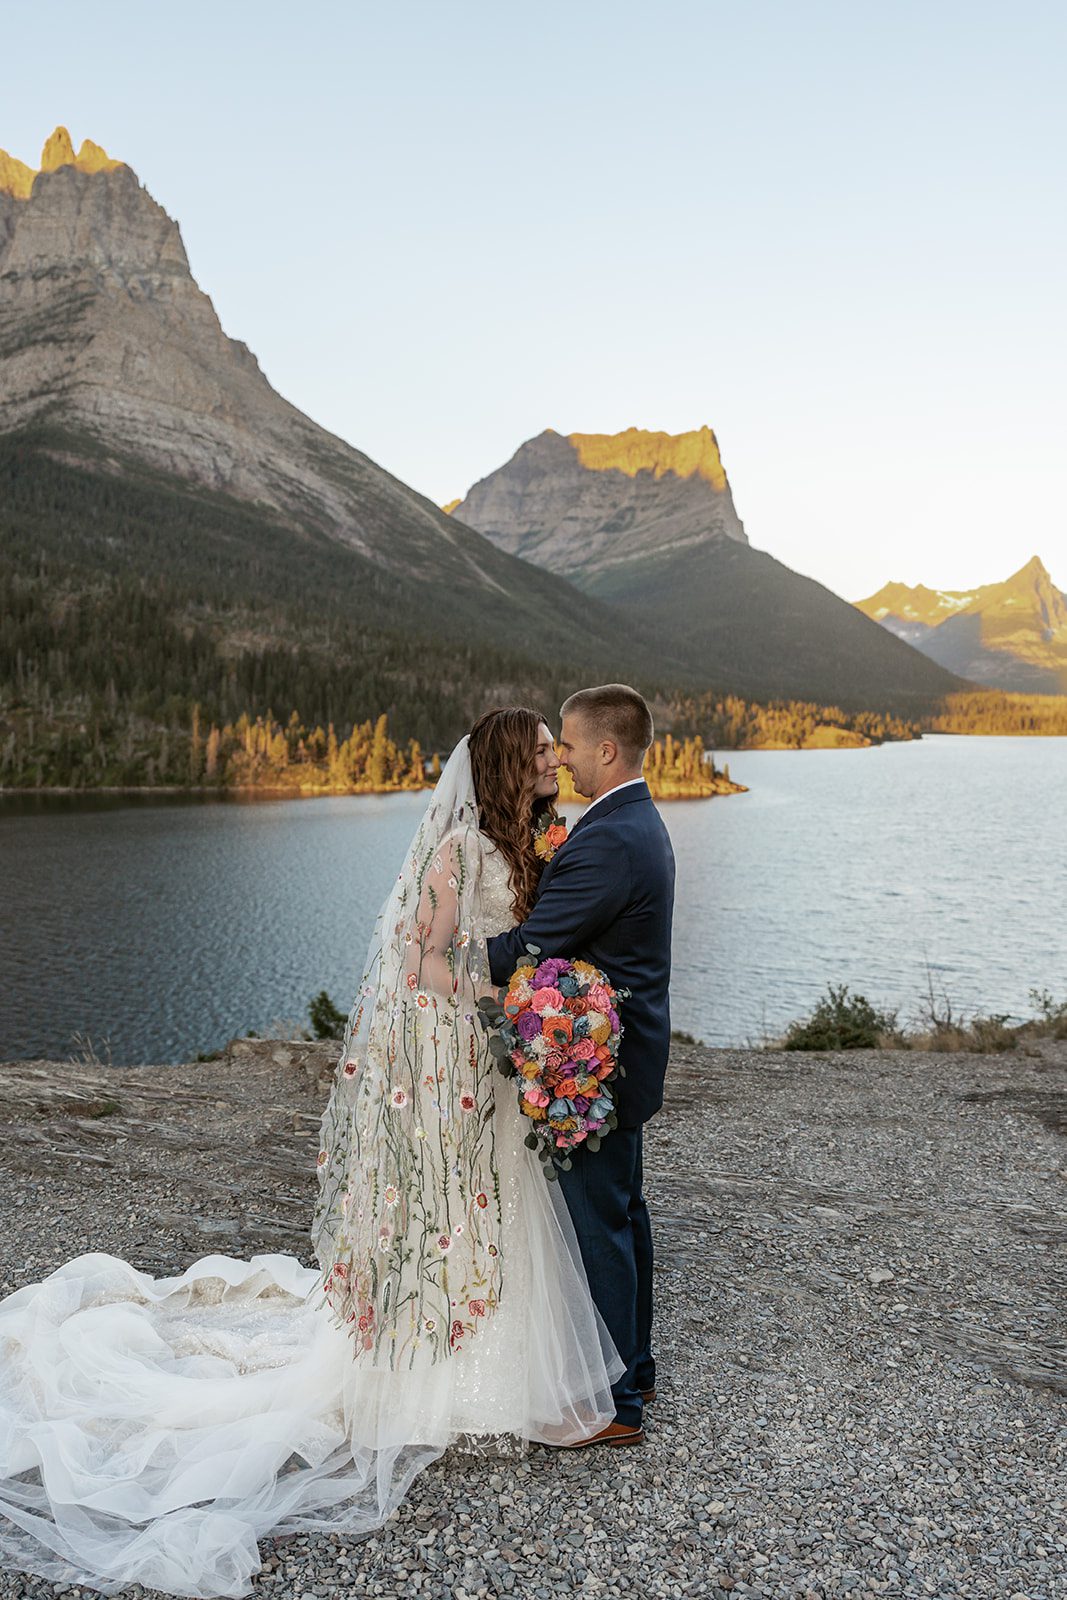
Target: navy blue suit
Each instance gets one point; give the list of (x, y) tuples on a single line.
[(607, 896)]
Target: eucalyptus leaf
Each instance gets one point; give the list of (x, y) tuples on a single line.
[(565, 1166), (531, 1141), (533, 949), (593, 1142), (497, 1047), (551, 1174)]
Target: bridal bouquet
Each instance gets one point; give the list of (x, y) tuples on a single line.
[(556, 1030)]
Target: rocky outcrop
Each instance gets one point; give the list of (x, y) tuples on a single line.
[(584, 502), (1010, 635), (17, 179)]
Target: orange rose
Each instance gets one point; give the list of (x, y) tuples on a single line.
[(558, 1031), (567, 1089)]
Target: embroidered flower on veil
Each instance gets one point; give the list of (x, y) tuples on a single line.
[(421, 1059)]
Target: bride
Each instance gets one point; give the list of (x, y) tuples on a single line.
[(152, 1429)]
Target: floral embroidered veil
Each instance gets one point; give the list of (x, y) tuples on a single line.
[(408, 1213)]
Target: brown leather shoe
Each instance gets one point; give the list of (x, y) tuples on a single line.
[(648, 1395), (614, 1433)]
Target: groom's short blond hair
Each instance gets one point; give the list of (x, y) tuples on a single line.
[(614, 711)]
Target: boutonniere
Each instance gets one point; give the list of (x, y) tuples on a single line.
[(549, 834)]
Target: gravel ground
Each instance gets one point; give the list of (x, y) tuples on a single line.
[(861, 1329)]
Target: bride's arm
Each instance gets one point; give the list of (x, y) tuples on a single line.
[(437, 959)]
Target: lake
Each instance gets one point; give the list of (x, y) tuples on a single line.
[(161, 926)]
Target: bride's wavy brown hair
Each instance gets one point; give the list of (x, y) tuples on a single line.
[(503, 750)]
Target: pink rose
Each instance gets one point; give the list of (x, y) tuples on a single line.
[(546, 1000), (583, 1049), (599, 998)]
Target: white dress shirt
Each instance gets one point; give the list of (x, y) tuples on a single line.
[(627, 785)]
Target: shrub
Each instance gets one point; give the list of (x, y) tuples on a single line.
[(990, 1034), (841, 1021), (1052, 1015), (326, 1020)]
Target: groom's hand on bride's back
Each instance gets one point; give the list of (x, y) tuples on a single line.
[(586, 891)]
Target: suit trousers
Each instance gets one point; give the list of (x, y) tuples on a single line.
[(603, 1191)]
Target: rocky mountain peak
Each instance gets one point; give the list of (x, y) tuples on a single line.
[(1034, 572), (1009, 635), (17, 179), (113, 359), (683, 455), (583, 503)]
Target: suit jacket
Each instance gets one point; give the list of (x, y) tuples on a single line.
[(607, 896)]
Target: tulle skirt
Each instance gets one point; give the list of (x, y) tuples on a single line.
[(153, 1429)]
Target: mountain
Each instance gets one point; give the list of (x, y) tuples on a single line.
[(647, 522), (114, 367), (584, 503), (1010, 635)]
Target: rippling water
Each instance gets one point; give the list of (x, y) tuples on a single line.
[(160, 927)]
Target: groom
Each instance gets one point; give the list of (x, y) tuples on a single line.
[(608, 895)]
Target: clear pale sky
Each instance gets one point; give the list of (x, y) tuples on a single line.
[(833, 231)]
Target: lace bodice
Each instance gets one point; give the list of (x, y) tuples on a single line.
[(496, 891)]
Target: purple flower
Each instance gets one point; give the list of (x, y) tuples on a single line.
[(581, 1104), (528, 1024), (613, 1018), (548, 972)]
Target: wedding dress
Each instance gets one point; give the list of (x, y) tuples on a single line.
[(152, 1429)]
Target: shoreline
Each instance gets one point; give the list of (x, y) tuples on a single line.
[(285, 792)]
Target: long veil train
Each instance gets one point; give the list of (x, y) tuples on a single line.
[(152, 1429)]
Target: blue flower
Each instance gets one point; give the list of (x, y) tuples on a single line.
[(561, 1108), (568, 985), (581, 1027)]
